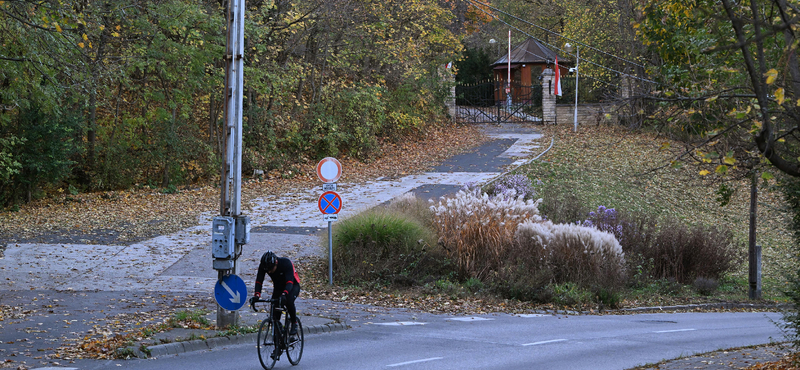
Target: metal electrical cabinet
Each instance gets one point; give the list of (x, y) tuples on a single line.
[(223, 242)]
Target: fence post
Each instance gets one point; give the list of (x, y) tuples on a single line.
[(548, 97)]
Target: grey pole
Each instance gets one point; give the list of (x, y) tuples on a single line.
[(330, 254), (577, 59), (754, 251), (230, 204)]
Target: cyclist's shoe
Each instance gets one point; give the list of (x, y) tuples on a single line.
[(293, 331)]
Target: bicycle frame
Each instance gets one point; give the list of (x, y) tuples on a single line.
[(278, 337)]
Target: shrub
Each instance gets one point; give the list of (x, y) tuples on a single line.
[(605, 219), (574, 253), (381, 246), (569, 294), (477, 231), (513, 186), (684, 254), (413, 207), (561, 207), (524, 283), (791, 316), (705, 286)]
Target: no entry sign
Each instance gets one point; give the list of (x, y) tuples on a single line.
[(330, 203), (329, 170)]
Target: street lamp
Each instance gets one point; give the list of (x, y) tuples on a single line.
[(568, 48)]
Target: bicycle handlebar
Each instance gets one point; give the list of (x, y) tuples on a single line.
[(271, 300)]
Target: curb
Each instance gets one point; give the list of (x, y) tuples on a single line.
[(690, 307), (175, 348)]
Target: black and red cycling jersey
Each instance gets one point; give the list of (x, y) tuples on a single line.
[(283, 279)]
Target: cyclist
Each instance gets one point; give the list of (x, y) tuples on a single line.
[(285, 285)]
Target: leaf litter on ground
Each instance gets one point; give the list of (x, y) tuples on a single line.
[(610, 159)]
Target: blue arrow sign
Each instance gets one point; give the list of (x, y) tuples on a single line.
[(230, 292)]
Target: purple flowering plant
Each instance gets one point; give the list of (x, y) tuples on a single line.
[(604, 219), (514, 186)]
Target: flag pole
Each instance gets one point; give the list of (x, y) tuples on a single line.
[(577, 72), (508, 81)]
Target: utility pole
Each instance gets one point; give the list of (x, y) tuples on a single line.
[(754, 250), (231, 229)]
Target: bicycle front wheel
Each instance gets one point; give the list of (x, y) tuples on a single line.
[(294, 350), (266, 344)]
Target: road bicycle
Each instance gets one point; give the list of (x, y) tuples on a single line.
[(273, 337)]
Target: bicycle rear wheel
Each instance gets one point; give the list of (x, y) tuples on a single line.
[(266, 344), (294, 350)]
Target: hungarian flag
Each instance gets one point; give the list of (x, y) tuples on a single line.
[(558, 79)]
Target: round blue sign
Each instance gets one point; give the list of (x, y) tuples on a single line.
[(330, 203), (230, 292)]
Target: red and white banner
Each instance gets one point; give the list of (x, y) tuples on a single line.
[(558, 79)]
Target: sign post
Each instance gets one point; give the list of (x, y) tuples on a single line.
[(330, 203)]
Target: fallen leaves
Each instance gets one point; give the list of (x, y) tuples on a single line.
[(128, 216)]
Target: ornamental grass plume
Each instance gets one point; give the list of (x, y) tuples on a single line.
[(574, 253), (477, 230)]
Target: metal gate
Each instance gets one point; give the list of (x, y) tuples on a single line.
[(488, 102)]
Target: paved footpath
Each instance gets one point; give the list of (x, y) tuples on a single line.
[(62, 291)]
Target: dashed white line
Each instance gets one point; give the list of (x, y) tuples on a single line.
[(544, 342), (400, 323), (471, 318), (415, 361), (673, 331)]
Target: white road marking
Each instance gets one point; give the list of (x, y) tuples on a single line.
[(415, 361), (544, 342), (529, 315), (673, 331), (471, 318), (401, 323)]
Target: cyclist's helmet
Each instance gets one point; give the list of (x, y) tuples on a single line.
[(269, 259)]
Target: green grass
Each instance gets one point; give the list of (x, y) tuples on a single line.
[(615, 168)]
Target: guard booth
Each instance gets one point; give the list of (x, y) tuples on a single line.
[(528, 60), (519, 100)]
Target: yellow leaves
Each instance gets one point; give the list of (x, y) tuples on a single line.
[(85, 37), (779, 94), (771, 75), (721, 169), (82, 45), (704, 172), (664, 146), (729, 160), (58, 28), (115, 34)]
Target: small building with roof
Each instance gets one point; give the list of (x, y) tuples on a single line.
[(528, 60)]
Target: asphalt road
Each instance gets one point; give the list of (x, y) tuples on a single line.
[(498, 342)]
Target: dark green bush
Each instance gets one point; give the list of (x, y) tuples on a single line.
[(40, 150), (380, 246)]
